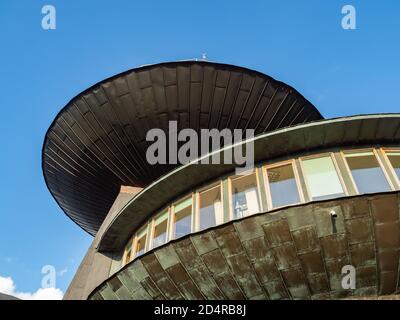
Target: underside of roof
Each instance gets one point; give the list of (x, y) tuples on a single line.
[(98, 140)]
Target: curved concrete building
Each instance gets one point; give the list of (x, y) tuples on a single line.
[(322, 195)]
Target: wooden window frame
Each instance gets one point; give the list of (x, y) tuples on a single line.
[(171, 234), (144, 230), (124, 258), (374, 151), (296, 178), (391, 172), (335, 165), (153, 226), (230, 192), (197, 209)]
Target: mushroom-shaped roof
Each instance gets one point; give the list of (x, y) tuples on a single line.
[(98, 140)]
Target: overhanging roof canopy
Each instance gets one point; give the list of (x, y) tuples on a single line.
[(98, 141)]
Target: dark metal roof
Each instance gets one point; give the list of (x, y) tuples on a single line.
[(312, 137), (97, 142), (4, 296)]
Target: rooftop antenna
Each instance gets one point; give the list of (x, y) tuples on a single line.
[(204, 56)]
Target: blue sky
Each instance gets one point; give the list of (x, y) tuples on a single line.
[(342, 72)]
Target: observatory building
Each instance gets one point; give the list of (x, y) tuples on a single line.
[(323, 193)]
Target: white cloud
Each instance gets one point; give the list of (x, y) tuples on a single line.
[(8, 286)]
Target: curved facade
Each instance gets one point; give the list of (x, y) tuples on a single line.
[(291, 253), (330, 174), (323, 194)]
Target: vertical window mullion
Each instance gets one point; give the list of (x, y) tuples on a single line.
[(391, 166), (195, 212), (226, 200), (134, 246), (387, 168), (267, 188), (339, 173), (302, 181), (219, 218), (354, 185), (262, 192), (345, 173), (150, 235), (169, 224)]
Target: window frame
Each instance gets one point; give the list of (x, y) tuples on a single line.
[(230, 193), (374, 151), (171, 233), (144, 230), (165, 211), (296, 175), (124, 258), (197, 209), (390, 166), (265, 201), (335, 165)]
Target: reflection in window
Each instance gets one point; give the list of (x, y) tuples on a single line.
[(282, 186), (245, 196), (367, 173), (160, 230), (394, 158), (182, 218), (210, 207), (322, 179), (141, 243)]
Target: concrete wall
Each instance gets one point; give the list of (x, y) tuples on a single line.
[(97, 266)]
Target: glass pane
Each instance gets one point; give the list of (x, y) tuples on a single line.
[(367, 173), (183, 218), (210, 207), (160, 230), (141, 245), (322, 179), (245, 196), (394, 158), (282, 185)]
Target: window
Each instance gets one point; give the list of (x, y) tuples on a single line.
[(245, 200), (210, 207), (322, 178), (182, 218), (282, 185), (160, 230), (128, 252), (367, 173), (394, 159), (141, 242)]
